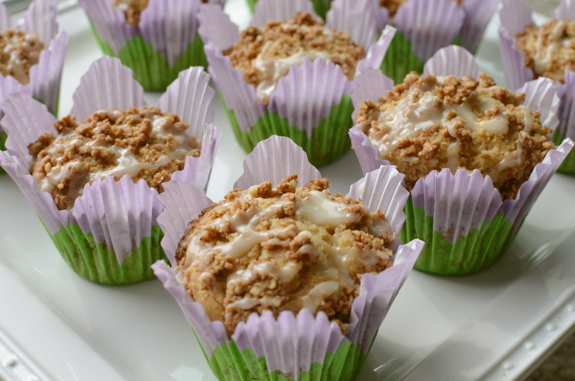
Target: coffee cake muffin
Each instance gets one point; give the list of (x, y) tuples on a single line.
[(433, 122), (276, 265), (475, 155), (290, 74), (543, 49), (19, 51), (282, 248), (94, 178), (264, 55), (155, 38), (143, 143)]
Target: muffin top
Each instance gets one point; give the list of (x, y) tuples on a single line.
[(282, 248), (265, 55), (549, 49), (19, 51), (432, 122), (143, 143), (133, 9)]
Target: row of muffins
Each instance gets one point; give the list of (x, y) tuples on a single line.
[(327, 203)]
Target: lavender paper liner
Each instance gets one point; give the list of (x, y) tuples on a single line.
[(46, 75), (111, 235), (290, 346), (515, 16), (164, 43), (311, 104), (461, 217)]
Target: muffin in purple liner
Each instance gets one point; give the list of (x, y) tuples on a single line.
[(97, 193), (261, 331), (155, 38), (33, 53), (530, 51), (476, 156), (305, 78)]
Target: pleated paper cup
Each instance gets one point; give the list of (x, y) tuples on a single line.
[(515, 16), (290, 346), (45, 76), (466, 225), (311, 104), (111, 234), (165, 42)]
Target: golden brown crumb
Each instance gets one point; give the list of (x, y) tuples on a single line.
[(259, 51), (549, 49), (282, 248), (19, 51), (428, 123), (143, 143), (393, 5)]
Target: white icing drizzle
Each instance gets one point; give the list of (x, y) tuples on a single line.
[(320, 210), (545, 50), (318, 294), (274, 69)]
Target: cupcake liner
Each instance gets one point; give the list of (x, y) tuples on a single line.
[(45, 76), (461, 217), (164, 43), (111, 234), (515, 16), (291, 347), (320, 7), (311, 103), (478, 13)]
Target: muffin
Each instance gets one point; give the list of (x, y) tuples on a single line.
[(277, 263), (531, 51), (289, 74), (32, 55), (156, 38), (475, 156), (94, 178)]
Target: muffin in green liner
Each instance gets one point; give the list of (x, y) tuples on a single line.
[(300, 91), (95, 183), (531, 51), (476, 156), (270, 235), (156, 41), (320, 7)]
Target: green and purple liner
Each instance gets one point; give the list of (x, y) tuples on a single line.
[(291, 346), (461, 217), (515, 16), (111, 234)]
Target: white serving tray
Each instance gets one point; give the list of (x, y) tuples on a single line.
[(495, 325)]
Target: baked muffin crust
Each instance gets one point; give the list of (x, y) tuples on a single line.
[(143, 143), (282, 248), (265, 55), (19, 51), (429, 123), (549, 49)]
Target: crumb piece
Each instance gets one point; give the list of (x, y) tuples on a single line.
[(19, 51)]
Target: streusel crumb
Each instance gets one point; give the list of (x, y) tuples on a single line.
[(393, 5), (283, 248), (133, 9), (143, 143), (428, 123), (265, 55), (549, 49), (19, 51)]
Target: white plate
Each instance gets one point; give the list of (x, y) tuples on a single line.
[(489, 326)]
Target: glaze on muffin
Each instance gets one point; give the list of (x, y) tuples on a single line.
[(19, 51)]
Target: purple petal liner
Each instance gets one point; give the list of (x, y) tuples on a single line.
[(290, 343)]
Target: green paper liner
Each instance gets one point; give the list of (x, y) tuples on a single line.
[(149, 67), (470, 254), (99, 264), (568, 165), (229, 363), (319, 6), (400, 59), (330, 139)]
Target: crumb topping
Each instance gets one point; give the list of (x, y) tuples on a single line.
[(429, 123), (549, 49), (143, 143), (283, 248), (19, 51), (265, 55), (133, 9), (393, 5)]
